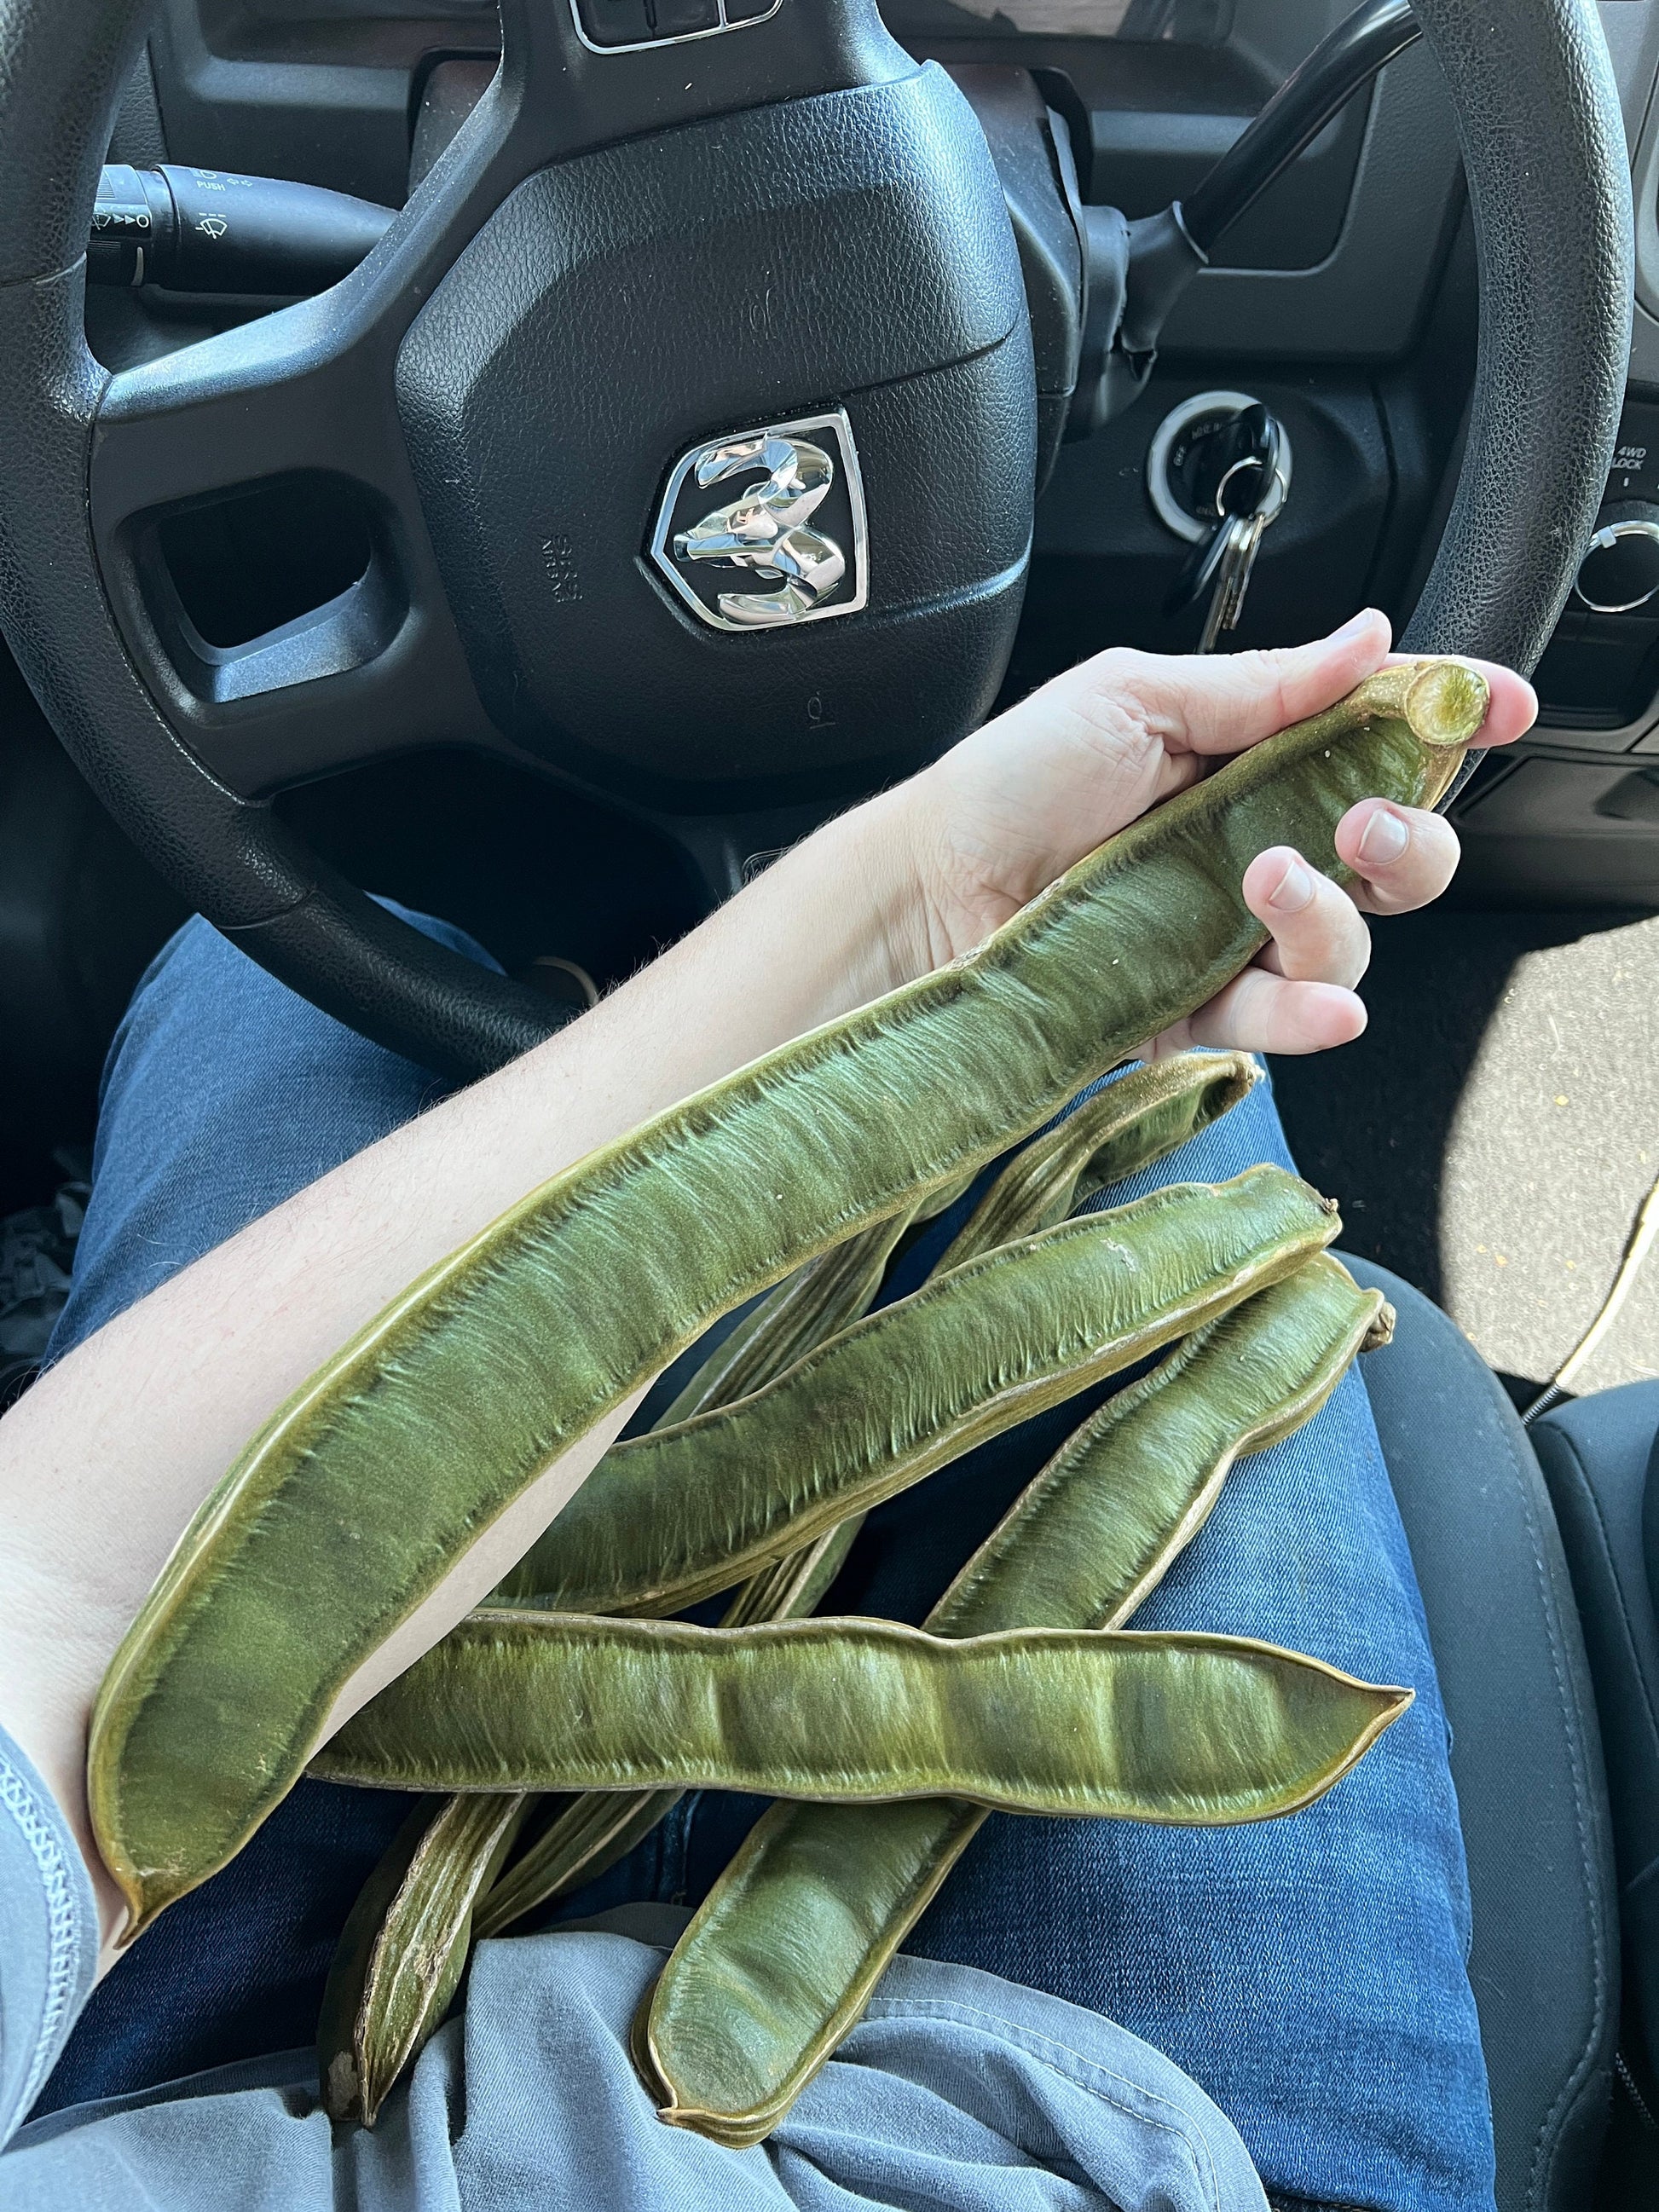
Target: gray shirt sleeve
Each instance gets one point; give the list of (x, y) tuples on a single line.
[(48, 1934), (957, 2087)]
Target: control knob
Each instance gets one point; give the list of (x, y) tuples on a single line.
[(1620, 571)]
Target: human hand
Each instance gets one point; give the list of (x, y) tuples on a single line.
[(1015, 804)]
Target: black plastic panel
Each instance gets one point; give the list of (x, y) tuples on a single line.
[(1542, 832), (322, 99), (1335, 262), (1148, 122), (1182, 24)]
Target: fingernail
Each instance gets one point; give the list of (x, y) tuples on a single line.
[(1384, 837), (1296, 888), (1362, 621)]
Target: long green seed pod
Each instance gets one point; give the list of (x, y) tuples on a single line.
[(590, 1834), (1089, 1539), (392, 1978), (780, 1961), (399, 1966), (337, 2065), (988, 1344), (441, 1413), (1109, 1137), (790, 1588), (1198, 1730), (674, 1516), (369, 2029), (1145, 1115)]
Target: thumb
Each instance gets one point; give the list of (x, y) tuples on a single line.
[(1221, 703)]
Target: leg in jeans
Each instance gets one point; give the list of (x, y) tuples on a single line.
[(1308, 1972)]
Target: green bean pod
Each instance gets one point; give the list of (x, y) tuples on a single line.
[(400, 1959), (780, 1961), (790, 1588), (1110, 1137), (444, 1410), (368, 2031), (674, 1516), (590, 1834), (1113, 1135), (1093, 1535), (393, 1940), (1200, 1731), (1145, 1114)]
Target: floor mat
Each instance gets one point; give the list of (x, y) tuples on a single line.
[(1493, 1133)]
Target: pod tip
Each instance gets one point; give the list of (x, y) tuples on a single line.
[(139, 1918), (1380, 1334), (146, 1892), (1447, 703)]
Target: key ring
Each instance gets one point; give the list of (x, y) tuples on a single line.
[(1267, 509)]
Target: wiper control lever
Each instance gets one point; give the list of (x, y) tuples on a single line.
[(1310, 97), (208, 230)]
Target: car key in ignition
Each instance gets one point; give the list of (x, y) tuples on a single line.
[(1244, 483)]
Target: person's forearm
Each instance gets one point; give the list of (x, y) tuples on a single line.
[(104, 1462)]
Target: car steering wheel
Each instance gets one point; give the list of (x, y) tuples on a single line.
[(663, 257)]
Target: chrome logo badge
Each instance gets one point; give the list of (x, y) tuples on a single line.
[(786, 545)]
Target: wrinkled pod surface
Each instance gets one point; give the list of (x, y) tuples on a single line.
[(391, 1983), (392, 1979), (1200, 1731)]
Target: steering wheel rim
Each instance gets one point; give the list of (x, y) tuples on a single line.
[(1542, 138)]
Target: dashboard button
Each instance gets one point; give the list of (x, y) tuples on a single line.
[(615, 22), (749, 11), (683, 19)]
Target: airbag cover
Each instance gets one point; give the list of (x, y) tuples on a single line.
[(847, 251)]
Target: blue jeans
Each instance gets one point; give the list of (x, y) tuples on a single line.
[(1310, 1972)]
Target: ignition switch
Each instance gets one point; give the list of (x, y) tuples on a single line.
[(1198, 458)]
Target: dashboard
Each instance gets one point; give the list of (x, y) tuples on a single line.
[(1346, 300)]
